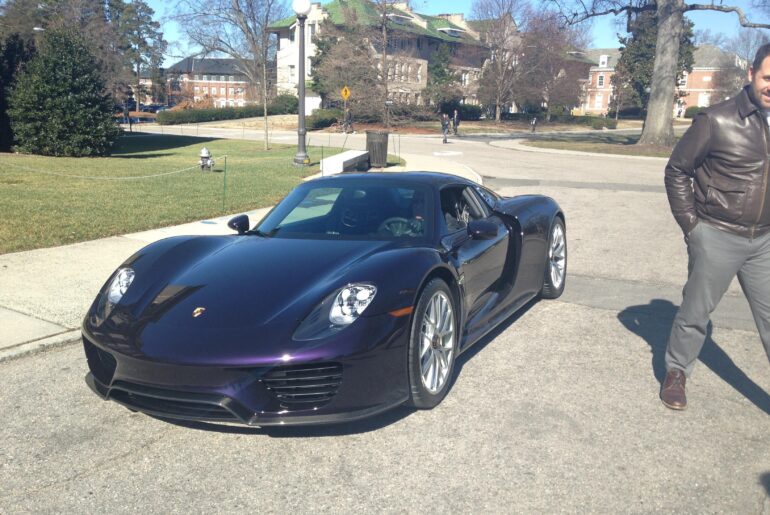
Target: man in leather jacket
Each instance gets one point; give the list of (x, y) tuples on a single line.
[(717, 186)]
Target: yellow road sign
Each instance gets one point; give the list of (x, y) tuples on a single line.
[(345, 92)]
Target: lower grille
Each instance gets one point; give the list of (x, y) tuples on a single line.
[(101, 363), (304, 386), (173, 404)]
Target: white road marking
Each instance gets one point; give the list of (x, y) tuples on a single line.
[(447, 153)]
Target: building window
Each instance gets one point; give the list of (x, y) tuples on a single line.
[(604, 60), (291, 35), (600, 81), (312, 30), (419, 72), (232, 91), (704, 100), (292, 73), (197, 89), (707, 78), (465, 78), (205, 77), (197, 77), (598, 103)]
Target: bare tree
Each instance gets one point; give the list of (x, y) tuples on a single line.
[(658, 126), (551, 73), (740, 51), (346, 57), (500, 34), (238, 29)]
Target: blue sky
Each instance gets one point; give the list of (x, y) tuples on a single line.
[(604, 30)]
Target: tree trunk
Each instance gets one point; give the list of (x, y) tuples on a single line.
[(264, 95), (658, 126)]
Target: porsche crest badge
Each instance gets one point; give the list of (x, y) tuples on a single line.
[(198, 312)]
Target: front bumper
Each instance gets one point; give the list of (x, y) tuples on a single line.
[(369, 378)]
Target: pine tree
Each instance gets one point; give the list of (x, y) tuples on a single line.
[(15, 52), (633, 73), (442, 84), (58, 106)]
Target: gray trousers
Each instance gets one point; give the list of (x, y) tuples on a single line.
[(715, 257)]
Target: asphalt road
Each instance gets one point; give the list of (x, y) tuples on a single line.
[(557, 411)]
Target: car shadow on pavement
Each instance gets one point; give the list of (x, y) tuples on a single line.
[(356, 427), (764, 480), (653, 322)]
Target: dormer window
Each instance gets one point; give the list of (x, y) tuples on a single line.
[(452, 31), (604, 60), (399, 18)]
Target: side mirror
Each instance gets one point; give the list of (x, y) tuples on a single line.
[(239, 223), (482, 229)]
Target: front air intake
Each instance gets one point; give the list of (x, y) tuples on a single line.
[(300, 387)]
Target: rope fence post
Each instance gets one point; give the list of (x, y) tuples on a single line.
[(224, 186)]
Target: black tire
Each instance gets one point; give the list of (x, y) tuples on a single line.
[(420, 395), (553, 289)]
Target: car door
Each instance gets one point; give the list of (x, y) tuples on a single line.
[(479, 262)]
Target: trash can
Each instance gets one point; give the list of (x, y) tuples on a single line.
[(377, 146)]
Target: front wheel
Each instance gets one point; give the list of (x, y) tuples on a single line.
[(432, 346), (556, 262)]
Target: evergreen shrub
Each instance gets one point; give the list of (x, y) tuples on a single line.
[(58, 106), (691, 111)]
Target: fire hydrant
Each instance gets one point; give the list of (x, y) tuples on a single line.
[(206, 160)]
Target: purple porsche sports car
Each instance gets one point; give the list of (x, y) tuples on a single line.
[(355, 294)]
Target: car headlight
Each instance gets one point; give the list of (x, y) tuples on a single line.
[(336, 312), (350, 302), (119, 285), (114, 292)]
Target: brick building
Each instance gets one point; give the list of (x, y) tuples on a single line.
[(218, 80), (697, 87)]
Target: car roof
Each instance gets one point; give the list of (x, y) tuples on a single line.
[(434, 179)]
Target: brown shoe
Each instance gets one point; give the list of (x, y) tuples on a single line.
[(672, 392)]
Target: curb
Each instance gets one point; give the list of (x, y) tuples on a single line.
[(517, 144), (43, 344)]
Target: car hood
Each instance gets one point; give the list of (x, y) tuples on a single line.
[(226, 299), (251, 281)]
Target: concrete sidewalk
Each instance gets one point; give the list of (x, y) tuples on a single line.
[(45, 293)]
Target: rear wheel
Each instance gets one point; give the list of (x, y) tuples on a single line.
[(432, 346), (556, 261)]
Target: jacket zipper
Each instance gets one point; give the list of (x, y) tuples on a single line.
[(764, 178)]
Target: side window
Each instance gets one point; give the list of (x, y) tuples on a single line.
[(490, 199), (459, 205)]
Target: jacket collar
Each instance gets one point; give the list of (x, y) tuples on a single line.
[(746, 104)]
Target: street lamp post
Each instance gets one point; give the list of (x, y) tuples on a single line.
[(302, 9)]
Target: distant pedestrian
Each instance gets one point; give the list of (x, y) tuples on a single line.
[(716, 181), (445, 125), (455, 121), (347, 121), (533, 123)]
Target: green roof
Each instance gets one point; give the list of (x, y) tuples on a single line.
[(367, 14)]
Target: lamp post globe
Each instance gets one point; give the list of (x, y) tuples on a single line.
[(302, 9)]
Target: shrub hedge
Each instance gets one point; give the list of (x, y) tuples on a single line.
[(323, 118), (282, 104), (691, 111)]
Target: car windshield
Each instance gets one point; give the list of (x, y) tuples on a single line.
[(366, 209)]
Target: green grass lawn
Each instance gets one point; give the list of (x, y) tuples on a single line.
[(603, 142), (43, 205)]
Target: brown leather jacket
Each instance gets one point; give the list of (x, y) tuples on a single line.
[(718, 171)]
